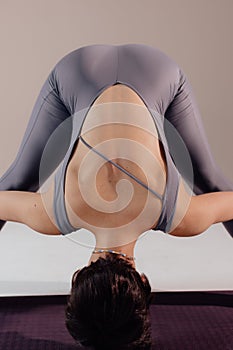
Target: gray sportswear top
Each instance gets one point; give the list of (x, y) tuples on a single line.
[(74, 83), (95, 68)]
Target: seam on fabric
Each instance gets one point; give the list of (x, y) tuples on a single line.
[(169, 222), (64, 226)]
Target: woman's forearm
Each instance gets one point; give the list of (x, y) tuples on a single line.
[(218, 204), (26, 208), (207, 209), (12, 206)]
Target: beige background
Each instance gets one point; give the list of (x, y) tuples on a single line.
[(34, 35), (196, 34)]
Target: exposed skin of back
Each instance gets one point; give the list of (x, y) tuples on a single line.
[(194, 214), (109, 175)]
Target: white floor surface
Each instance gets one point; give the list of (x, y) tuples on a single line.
[(36, 264)]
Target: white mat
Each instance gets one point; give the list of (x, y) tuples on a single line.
[(36, 264)]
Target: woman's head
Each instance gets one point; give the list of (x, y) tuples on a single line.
[(109, 306)]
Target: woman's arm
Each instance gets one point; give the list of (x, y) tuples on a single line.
[(48, 113), (27, 208), (184, 114), (205, 210)]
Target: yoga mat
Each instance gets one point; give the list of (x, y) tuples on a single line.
[(180, 321)]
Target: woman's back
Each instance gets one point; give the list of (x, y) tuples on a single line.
[(106, 75), (117, 101)]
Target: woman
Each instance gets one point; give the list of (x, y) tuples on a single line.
[(118, 100)]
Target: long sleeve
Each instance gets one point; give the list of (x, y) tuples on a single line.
[(48, 113), (184, 115)]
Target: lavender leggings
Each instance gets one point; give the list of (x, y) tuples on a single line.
[(80, 76)]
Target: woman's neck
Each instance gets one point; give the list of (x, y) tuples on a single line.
[(127, 249)]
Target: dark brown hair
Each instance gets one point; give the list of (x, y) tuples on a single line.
[(109, 306)]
